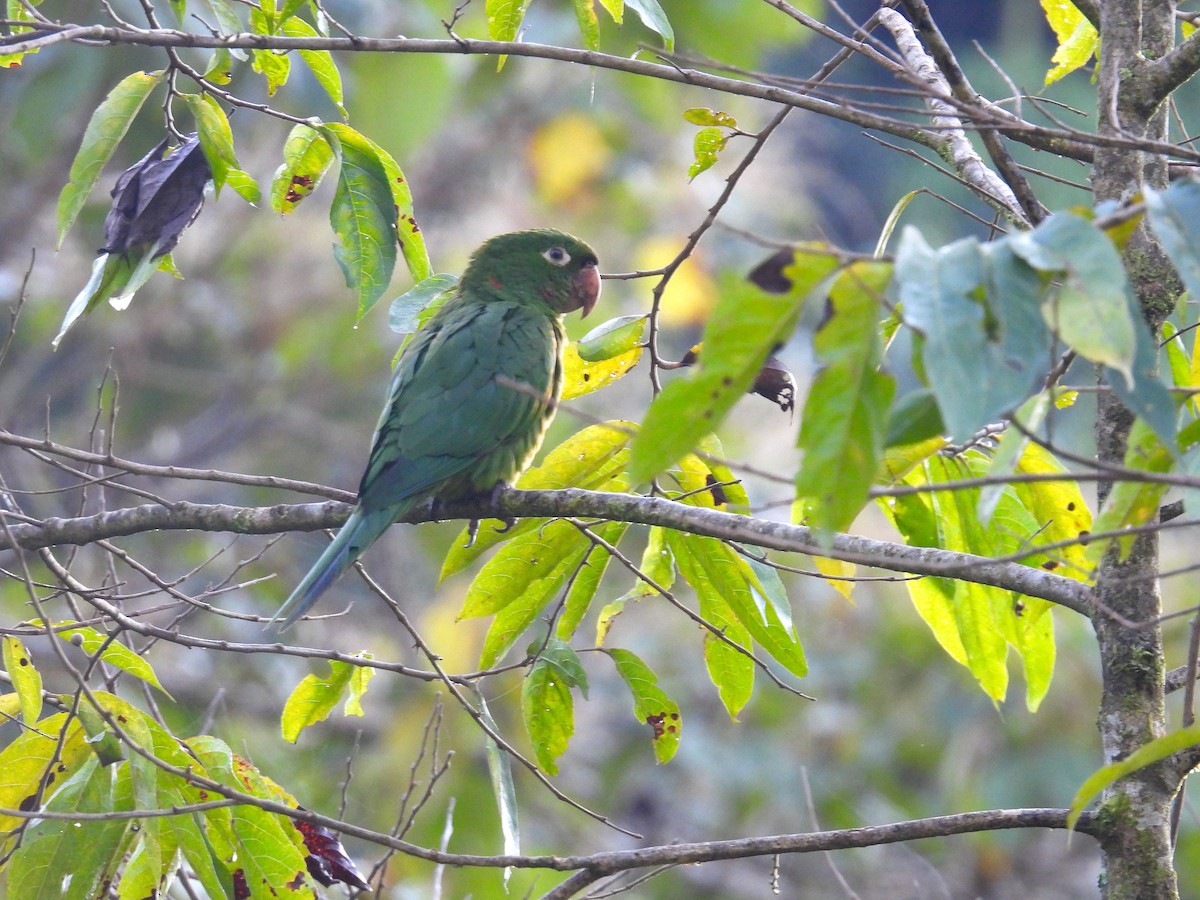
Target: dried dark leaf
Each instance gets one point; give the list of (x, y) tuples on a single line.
[(773, 381), (155, 199), (327, 860), (776, 383), (769, 275)]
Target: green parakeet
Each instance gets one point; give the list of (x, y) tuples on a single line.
[(472, 393)]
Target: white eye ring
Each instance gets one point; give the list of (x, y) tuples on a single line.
[(557, 256)]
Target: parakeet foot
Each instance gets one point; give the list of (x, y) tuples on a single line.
[(497, 492)]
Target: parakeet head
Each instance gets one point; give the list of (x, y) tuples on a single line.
[(543, 265)]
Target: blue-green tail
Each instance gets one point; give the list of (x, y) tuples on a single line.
[(360, 532)]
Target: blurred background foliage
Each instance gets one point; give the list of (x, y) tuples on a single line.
[(253, 363)]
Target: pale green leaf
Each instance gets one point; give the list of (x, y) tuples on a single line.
[(977, 307), (714, 569), (108, 125), (314, 698), (1173, 215), (1147, 754), (412, 309), (653, 17), (1089, 310), (612, 338), (522, 563), (500, 770), (27, 760)]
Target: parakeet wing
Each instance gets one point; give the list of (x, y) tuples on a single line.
[(449, 414)]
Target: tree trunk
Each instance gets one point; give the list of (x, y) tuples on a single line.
[(1136, 838)]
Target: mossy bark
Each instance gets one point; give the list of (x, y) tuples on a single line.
[(1136, 837)]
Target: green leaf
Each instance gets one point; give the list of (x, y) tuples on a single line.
[(717, 572), (1133, 503), (653, 17), (977, 307), (108, 125), (267, 848), (363, 216), (592, 459), (504, 19), (743, 329), (26, 680), (706, 147), (1147, 754), (219, 70), (52, 850), (1078, 40), (658, 565), (842, 428), (1008, 451), (612, 338), (523, 578), (583, 589), (1173, 214), (524, 561), (114, 653), (412, 309), (913, 418), (589, 25), (651, 704), (228, 22), (1089, 311), (306, 158), (314, 698), (546, 702), (216, 140), (321, 62), (700, 115)]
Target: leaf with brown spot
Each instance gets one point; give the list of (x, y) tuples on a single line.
[(650, 703)]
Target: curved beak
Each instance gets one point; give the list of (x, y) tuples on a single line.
[(587, 287)]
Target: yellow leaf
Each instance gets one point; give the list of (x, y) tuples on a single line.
[(835, 571), (691, 293), (581, 377), (567, 155)]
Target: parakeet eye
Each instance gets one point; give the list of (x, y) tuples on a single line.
[(557, 256)]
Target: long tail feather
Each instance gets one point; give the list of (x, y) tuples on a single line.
[(360, 532)]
